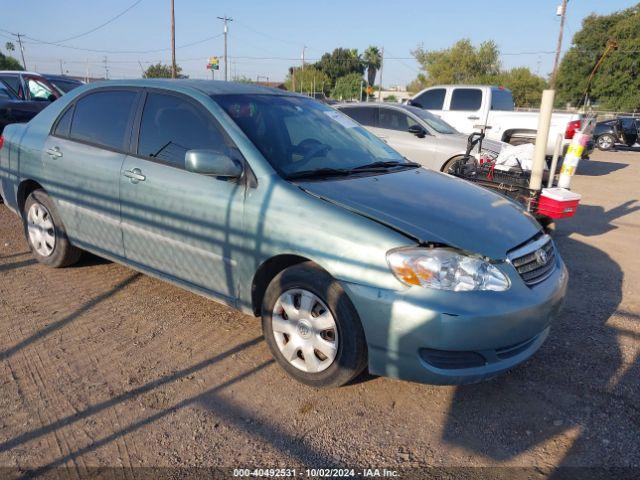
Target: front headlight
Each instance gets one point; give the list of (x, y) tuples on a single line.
[(445, 269)]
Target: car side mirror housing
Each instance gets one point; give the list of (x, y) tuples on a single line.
[(417, 130), (210, 162)]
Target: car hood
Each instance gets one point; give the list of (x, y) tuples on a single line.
[(433, 207)]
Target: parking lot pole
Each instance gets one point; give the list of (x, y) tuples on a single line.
[(540, 150)]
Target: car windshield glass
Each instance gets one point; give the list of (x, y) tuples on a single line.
[(298, 134), (434, 122)]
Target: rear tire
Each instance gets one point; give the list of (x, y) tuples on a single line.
[(45, 232), (605, 142), (318, 340)]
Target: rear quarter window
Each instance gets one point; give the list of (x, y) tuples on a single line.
[(103, 118)]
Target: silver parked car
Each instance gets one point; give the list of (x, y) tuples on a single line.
[(417, 134), (287, 209)]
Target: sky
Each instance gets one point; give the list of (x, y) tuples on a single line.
[(266, 37)]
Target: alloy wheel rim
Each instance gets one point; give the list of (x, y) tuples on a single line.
[(41, 230), (604, 142), (305, 330)]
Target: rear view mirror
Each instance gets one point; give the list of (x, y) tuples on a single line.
[(417, 130), (210, 162)]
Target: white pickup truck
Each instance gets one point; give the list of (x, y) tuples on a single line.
[(467, 106)]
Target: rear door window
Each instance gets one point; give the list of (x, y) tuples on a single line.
[(466, 99), (39, 91), (366, 116), (172, 125), (392, 119), (431, 99), (104, 118)]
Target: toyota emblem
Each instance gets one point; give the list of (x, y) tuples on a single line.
[(541, 256)]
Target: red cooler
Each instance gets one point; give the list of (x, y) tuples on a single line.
[(558, 202)]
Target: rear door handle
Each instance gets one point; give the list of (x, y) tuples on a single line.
[(473, 117), (135, 175), (54, 152)]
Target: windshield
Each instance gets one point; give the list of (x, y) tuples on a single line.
[(297, 134), (433, 121)]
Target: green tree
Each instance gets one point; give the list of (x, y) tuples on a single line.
[(616, 84), (462, 63), (465, 64), (242, 79), (372, 60), (339, 63), (348, 87), (9, 63), (305, 80), (526, 86), (419, 83), (160, 70)]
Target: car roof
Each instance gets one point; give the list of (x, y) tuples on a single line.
[(19, 72), (66, 78), (397, 106), (208, 87)]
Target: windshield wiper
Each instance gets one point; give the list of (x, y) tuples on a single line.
[(384, 165), (319, 172)]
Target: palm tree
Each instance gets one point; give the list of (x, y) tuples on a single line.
[(372, 60)]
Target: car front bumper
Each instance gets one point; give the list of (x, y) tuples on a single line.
[(442, 337)]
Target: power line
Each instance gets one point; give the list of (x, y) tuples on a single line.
[(37, 41), (112, 19)]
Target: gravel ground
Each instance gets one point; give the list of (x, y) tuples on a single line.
[(102, 366)]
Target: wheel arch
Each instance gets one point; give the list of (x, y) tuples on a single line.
[(25, 189), (506, 136), (267, 271)]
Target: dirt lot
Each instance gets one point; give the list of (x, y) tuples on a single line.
[(101, 366)]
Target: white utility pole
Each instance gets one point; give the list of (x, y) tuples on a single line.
[(304, 47), (226, 19)]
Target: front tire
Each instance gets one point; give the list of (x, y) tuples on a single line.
[(45, 232), (312, 328), (605, 142), (449, 166)]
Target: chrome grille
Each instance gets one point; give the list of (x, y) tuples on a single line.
[(535, 260)]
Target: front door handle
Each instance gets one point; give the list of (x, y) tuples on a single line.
[(135, 175), (473, 117), (54, 152)]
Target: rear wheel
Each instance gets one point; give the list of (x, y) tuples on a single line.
[(45, 232), (605, 142), (312, 328)]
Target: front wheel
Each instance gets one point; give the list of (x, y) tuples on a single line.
[(312, 328), (451, 164), (605, 142), (45, 232)]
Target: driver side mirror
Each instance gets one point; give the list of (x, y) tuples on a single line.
[(212, 163), (417, 130)]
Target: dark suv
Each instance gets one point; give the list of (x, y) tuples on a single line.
[(23, 95)]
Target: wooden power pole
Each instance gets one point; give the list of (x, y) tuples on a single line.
[(554, 74), (173, 42), (226, 19)]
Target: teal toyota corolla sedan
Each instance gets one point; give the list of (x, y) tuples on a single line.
[(287, 209)]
